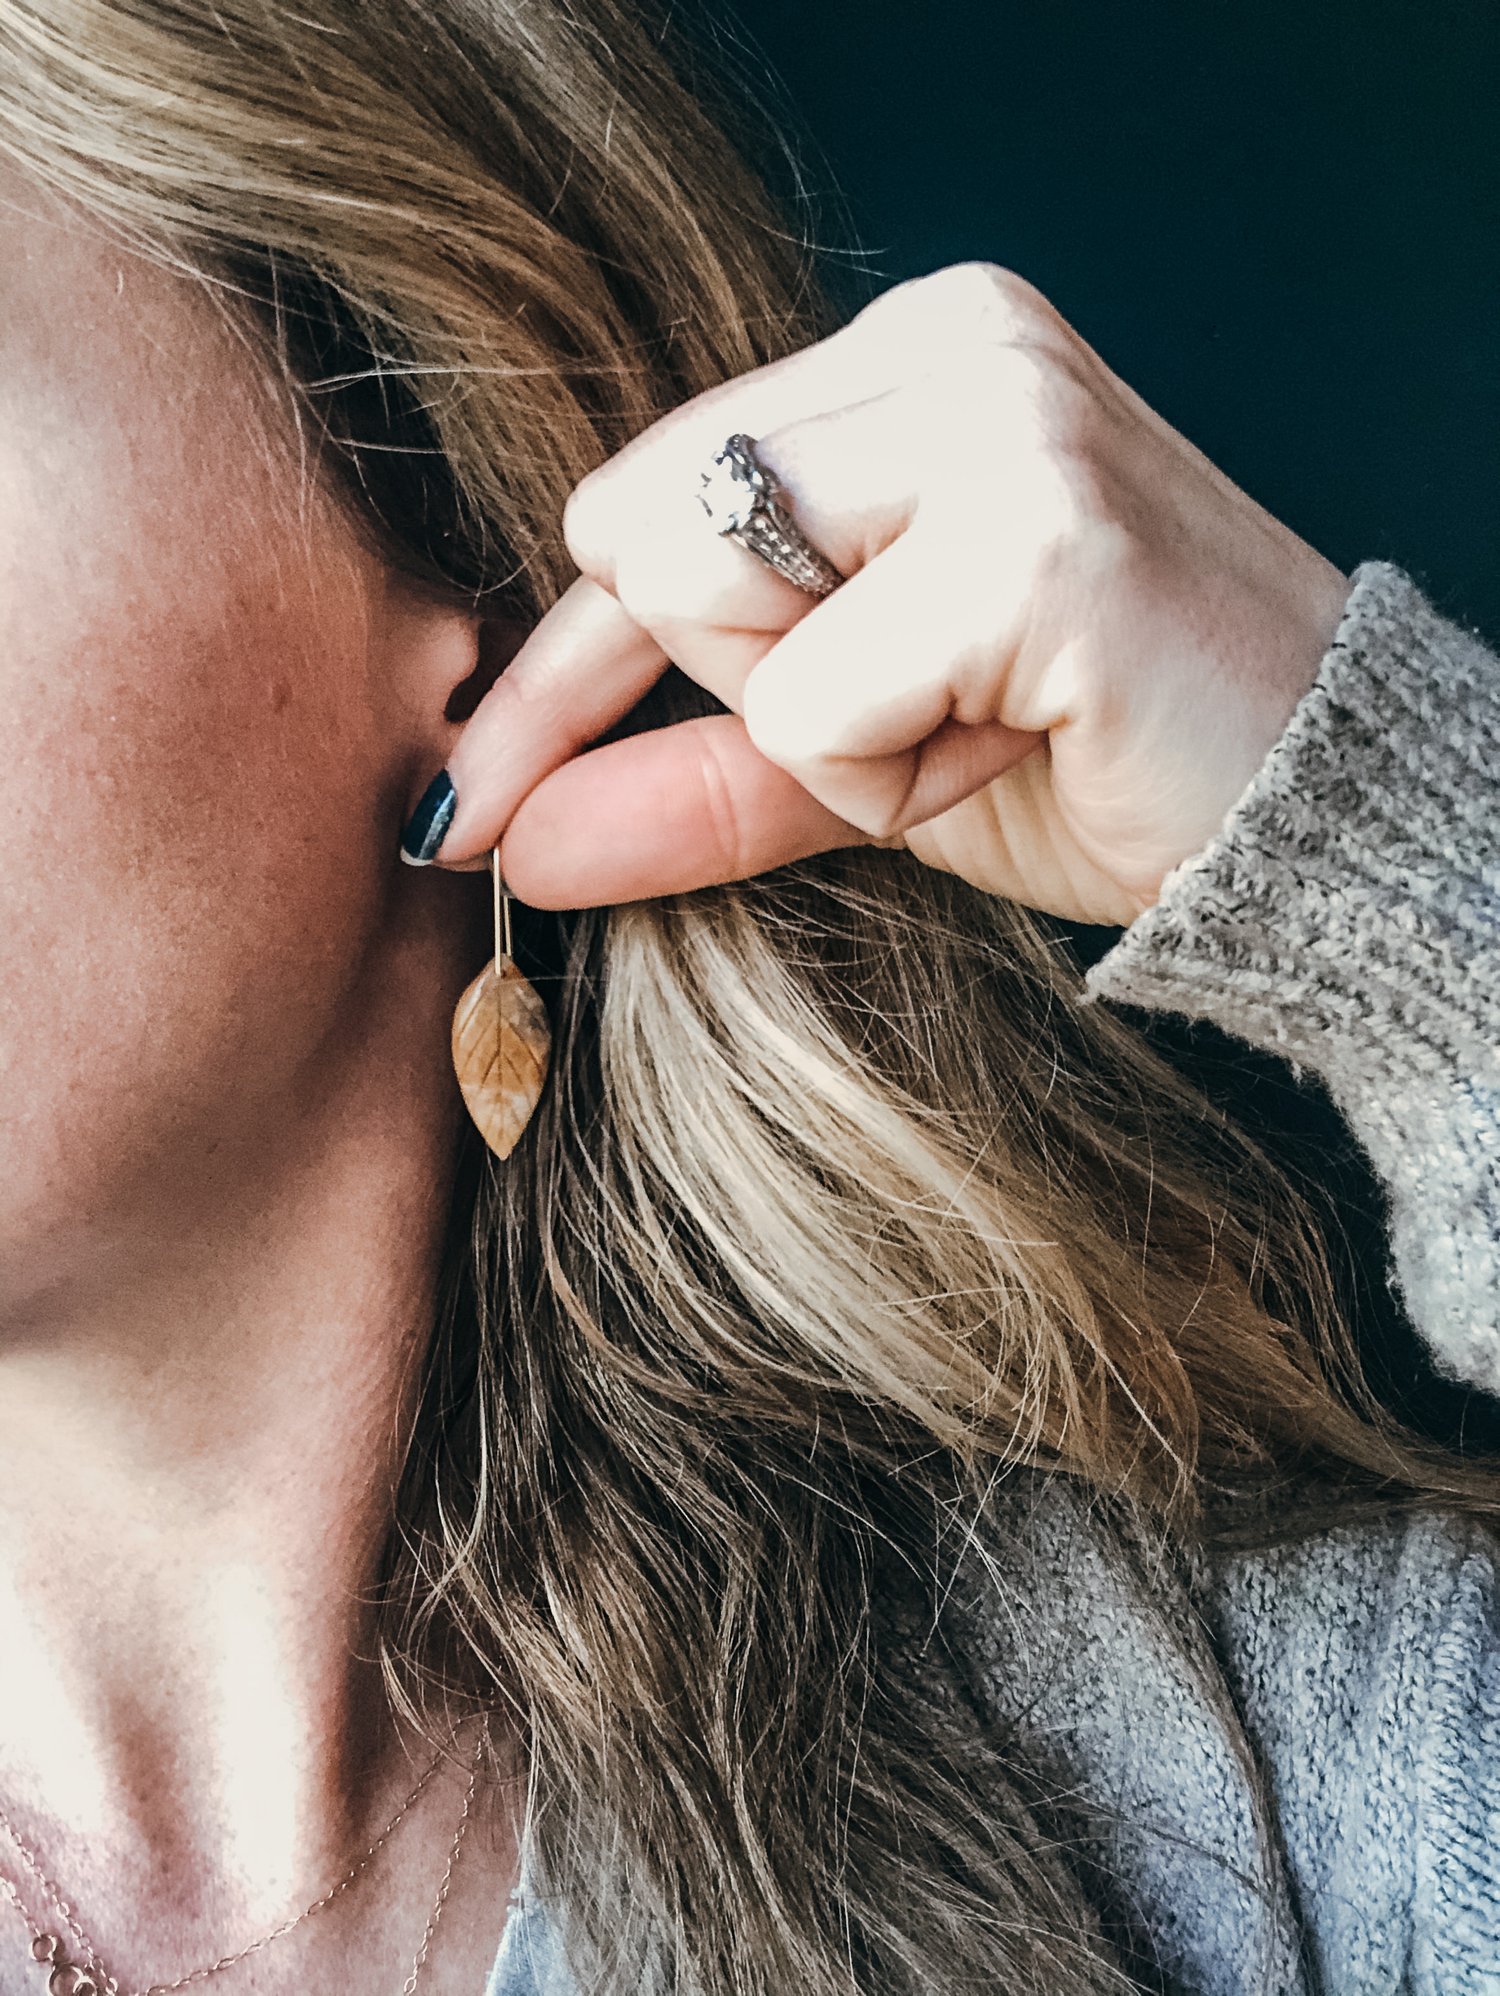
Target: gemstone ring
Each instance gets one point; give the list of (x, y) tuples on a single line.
[(743, 501)]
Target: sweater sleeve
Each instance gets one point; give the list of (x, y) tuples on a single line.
[(1346, 915)]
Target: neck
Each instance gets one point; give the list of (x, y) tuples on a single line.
[(203, 1418)]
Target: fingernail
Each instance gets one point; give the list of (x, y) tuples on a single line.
[(428, 824)]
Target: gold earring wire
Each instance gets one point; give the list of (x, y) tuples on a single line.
[(502, 1039), (502, 907)]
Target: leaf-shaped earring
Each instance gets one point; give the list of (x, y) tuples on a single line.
[(502, 1039)]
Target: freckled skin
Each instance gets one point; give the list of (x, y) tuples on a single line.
[(201, 755)]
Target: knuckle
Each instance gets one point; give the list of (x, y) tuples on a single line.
[(583, 524), (988, 299)]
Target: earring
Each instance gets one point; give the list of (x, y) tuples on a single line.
[(502, 1039)]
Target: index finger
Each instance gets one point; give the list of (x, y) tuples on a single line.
[(855, 363), (586, 664)]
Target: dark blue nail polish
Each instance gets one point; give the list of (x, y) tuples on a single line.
[(428, 824)]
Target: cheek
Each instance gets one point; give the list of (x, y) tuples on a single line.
[(192, 802)]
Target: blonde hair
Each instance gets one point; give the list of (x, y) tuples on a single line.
[(837, 1203)]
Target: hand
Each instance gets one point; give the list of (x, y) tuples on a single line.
[(1066, 645)]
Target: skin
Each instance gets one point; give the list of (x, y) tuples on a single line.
[(229, 1118)]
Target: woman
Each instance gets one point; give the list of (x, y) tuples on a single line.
[(874, 1494)]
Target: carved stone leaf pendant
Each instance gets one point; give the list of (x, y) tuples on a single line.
[(502, 1042)]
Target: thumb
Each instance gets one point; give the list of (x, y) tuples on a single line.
[(663, 812)]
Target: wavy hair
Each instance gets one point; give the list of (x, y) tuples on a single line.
[(838, 1205)]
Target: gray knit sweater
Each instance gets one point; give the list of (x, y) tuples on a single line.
[(1347, 916)]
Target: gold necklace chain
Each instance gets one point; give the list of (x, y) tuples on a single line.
[(89, 1977), (409, 1986), (28, 1858)]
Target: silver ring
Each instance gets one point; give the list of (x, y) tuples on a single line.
[(743, 501)]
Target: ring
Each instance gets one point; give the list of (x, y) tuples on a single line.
[(743, 501)]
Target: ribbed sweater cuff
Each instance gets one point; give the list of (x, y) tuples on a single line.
[(1347, 912)]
